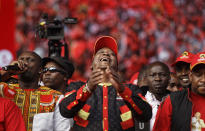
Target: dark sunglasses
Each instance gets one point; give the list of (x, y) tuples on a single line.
[(52, 70)]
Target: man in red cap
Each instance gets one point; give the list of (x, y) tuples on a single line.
[(182, 68), (184, 110), (104, 103)]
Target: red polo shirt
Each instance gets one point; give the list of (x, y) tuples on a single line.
[(10, 116)]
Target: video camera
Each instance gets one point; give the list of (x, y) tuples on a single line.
[(53, 30)]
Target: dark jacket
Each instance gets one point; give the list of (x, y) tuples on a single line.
[(104, 109), (175, 112)]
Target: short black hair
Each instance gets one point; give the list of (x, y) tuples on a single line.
[(163, 65)]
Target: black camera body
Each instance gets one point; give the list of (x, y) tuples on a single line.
[(53, 30)]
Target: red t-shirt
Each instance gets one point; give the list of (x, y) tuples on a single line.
[(10, 116), (198, 112)]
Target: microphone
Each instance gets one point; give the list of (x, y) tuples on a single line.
[(11, 67)]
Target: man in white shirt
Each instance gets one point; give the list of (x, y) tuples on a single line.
[(157, 79)]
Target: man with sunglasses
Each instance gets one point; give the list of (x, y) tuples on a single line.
[(104, 102), (55, 74), (31, 98), (184, 110)]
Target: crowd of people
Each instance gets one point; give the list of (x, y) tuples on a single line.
[(133, 65), (45, 98), (146, 30)]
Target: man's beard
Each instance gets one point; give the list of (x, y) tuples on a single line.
[(27, 77)]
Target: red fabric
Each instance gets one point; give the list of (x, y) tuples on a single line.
[(72, 104), (80, 121), (140, 95), (82, 96), (169, 7), (8, 93), (134, 78), (80, 93), (184, 57), (198, 106), (10, 116), (46, 98), (126, 95), (124, 109), (163, 118), (69, 93), (127, 124), (105, 108), (197, 59), (7, 33), (86, 107), (106, 41)]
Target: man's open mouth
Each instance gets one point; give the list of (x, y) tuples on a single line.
[(105, 59)]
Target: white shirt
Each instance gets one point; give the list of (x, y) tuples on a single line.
[(52, 121), (151, 99)]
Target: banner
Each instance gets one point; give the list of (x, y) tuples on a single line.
[(7, 32)]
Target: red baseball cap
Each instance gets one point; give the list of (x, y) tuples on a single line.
[(199, 58), (106, 41), (184, 57)]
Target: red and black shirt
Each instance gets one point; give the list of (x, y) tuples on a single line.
[(104, 109)]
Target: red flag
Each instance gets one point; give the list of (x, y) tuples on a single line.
[(7, 33)]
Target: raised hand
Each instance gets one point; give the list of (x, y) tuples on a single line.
[(21, 65), (114, 79), (95, 78)]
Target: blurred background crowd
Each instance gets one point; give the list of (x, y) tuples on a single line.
[(146, 30)]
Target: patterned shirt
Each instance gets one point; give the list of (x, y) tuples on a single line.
[(30, 101)]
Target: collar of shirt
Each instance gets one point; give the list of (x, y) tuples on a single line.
[(151, 99)]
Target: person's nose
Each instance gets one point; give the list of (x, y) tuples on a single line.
[(184, 71), (106, 53), (157, 77)]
